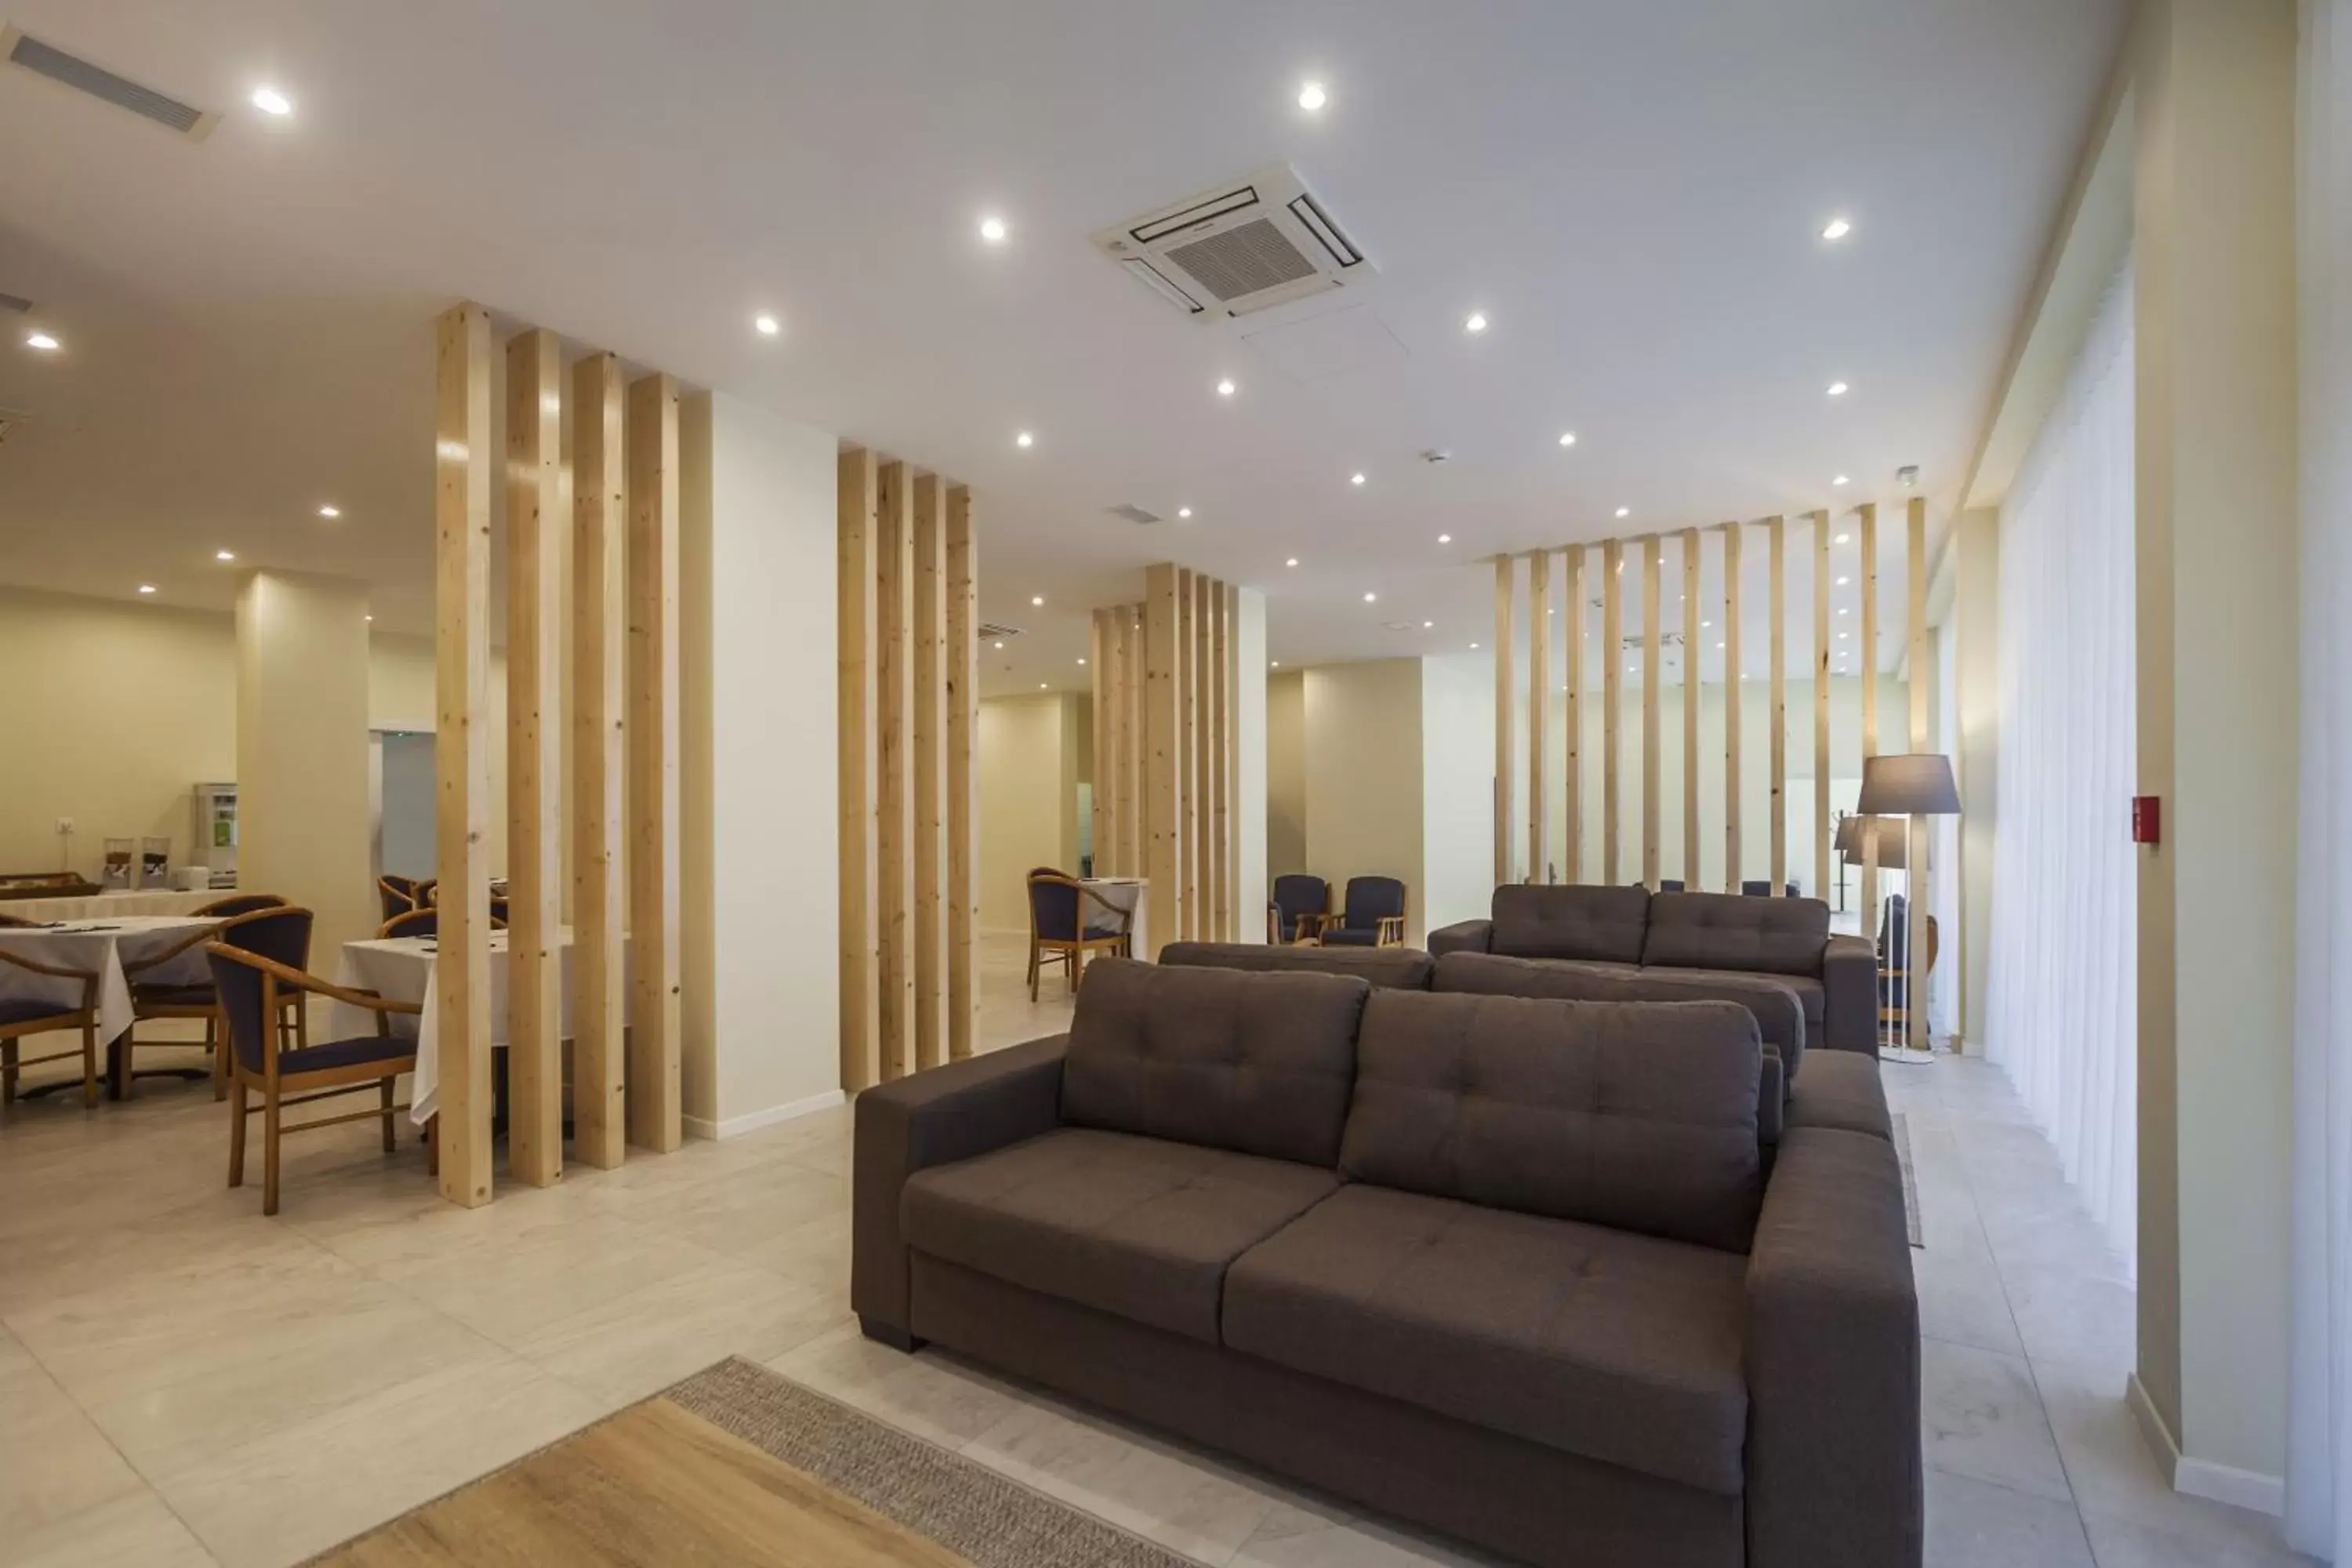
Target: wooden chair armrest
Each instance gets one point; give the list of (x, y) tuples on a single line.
[(1124, 915), (201, 936), (287, 974)]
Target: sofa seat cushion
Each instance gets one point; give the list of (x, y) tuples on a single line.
[(1574, 922), (1597, 1343), (1137, 1226), (1729, 930)]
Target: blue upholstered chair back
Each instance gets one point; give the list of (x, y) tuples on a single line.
[(280, 935), (1756, 890), (241, 904), (1298, 894), (1670, 884), (416, 923), (1053, 906), (1371, 899)]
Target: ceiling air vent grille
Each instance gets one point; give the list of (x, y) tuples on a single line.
[(1256, 243), (16, 303), (73, 71), (991, 632)]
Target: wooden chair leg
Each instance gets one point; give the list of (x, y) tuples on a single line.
[(391, 1138), (237, 1112), (118, 1065), (8, 1071), (90, 1064), (1032, 968), (433, 1145), (269, 1131), (216, 1042)]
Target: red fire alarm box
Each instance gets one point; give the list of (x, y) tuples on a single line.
[(2145, 818)]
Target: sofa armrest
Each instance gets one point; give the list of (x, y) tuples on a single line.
[(1832, 1353), (1465, 936), (1850, 994), (934, 1117)]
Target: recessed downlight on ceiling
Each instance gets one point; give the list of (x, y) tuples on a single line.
[(1473, 647), (1844, 581), (1841, 479), (146, 588), (1311, 96), (1226, 387), (1839, 389), (1624, 512), (1837, 228), (1274, 664), (992, 229), (1183, 512), (1371, 598), (1568, 437), (271, 101), (1444, 539), (1476, 323), (1024, 439), (1355, 478), (1292, 562), (41, 341), (1843, 538), (331, 511), (1082, 661), (224, 555), (997, 645), (1037, 601), (766, 325), (1428, 625)]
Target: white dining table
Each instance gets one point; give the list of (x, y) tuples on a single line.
[(405, 969), (1125, 894), (102, 947), (114, 905)]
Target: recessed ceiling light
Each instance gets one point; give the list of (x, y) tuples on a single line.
[(1024, 439), (1038, 600), (1371, 598), (992, 229), (1624, 512), (1841, 480), (367, 617), (1226, 387), (224, 555), (1473, 647), (1843, 611), (1355, 478), (996, 645), (270, 100), (1844, 537), (146, 588), (1842, 636), (1040, 685), (1444, 539), (1311, 96), (1838, 228), (1292, 562), (41, 341), (1706, 626), (1428, 625), (768, 325), (1082, 661), (1568, 437), (1844, 581), (1718, 645), (1183, 512), (330, 510), (1274, 664), (1837, 389), (1476, 323)]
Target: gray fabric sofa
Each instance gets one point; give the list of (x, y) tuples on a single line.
[(1509, 1268), (1625, 930)]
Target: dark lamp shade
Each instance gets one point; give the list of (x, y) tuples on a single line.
[(1852, 832), (1913, 783)]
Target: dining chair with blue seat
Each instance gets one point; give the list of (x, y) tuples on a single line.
[(251, 986), (251, 921), (1297, 908), (1068, 922), (21, 1017), (1372, 915)]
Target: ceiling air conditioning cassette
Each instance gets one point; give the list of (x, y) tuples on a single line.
[(1236, 248)]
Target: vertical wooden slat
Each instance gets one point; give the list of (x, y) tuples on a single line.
[(1100, 638), (859, 625), (1162, 755), (1126, 707), (962, 659), (534, 758), (1692, 879), (1612, 695), (1506, 762), (1867, 666), (1538, 706), (656, 1109), (1187, 742), (599, 502), (461, 755), (1573, 729), (1914, 569), (1652, 675), (1822, 837), (1220, 748), (1238, 928), (1776, 613), (1732, 671), (928, 732), (894, 574), (1204, 685)]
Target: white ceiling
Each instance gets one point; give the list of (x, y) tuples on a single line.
[(1631, 194)]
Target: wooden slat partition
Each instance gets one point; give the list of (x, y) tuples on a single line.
[(1573, 729), (535, 399), (860, 690), (1692, 879), (1822, 839), (926, 745), (1188, 746), (1776, 613), (1221, 756), (1612, 694), (1732, 671), (1917, 906), (1241, 924), (1652, 675), (655, 1107), (461, 755), (960, 661), (1538, 704), (1162, 756), (1101, 638), (1506, 762), (599, 502), (1205, 685), (893, 761), (1867, 665)]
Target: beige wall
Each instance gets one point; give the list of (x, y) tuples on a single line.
[(1030, 755), (1286, 772), (1364, 778)]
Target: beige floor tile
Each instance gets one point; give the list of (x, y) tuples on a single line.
[(1976, 1524), (55, 1462), (134, 1531), (1980, 1417), (926, 1394)]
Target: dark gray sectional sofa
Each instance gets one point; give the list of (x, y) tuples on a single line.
[(1512, 1267)]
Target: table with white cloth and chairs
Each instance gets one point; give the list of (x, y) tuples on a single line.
[(105, 949)]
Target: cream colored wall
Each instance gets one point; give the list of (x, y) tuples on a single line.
[(1029, 763), (1364, 777), (1286, 772), (1457, 792)]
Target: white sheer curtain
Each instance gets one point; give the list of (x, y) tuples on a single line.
[(2319, 1386), (2062, 1014)]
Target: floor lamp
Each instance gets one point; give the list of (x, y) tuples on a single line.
[(1910, 785)]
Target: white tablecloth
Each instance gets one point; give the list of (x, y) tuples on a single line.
[(405, 969), (109, 906), (1123, 893), (104, 946)]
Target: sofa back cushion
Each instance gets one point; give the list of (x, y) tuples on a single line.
[(1780, 1015), (1640, 1116), (1606, 923), (1726, 930), (1260, 1064), (1407, 967)]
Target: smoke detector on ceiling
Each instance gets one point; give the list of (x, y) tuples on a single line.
[(1126, 512), (1235, 249), (1907, 475), (1437, 455), (21, 49)]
